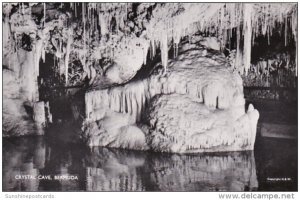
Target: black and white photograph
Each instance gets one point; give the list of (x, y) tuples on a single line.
[(149, 97)]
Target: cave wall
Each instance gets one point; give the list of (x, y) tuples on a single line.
[(100, 45)]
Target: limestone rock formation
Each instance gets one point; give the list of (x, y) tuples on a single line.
[(115, 130), (179, 124), (91, 43), (198, 106), (22, 114), (16, 120)]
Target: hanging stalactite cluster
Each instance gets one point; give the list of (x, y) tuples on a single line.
[(124, 33)]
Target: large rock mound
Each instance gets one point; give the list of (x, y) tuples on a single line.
[(197, 106)]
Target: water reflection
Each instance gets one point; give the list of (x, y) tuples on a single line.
[(224, 172), (135, 171), (22, 157), (103, 169)]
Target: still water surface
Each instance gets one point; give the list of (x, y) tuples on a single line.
[(104, 169)]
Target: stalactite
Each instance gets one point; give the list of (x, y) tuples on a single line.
[(6, 30), (84, 37), (239, 55), (75, 7), (247, 29), (23, 8), (190, 19), (294, 26), (176, 40), (103, 25), (43, 54), (44, 14), (285, 31), (296, 57), (145, 52), (164, 50), (68, 51), (151, 49)]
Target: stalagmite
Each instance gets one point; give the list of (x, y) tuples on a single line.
[(39, 112)]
